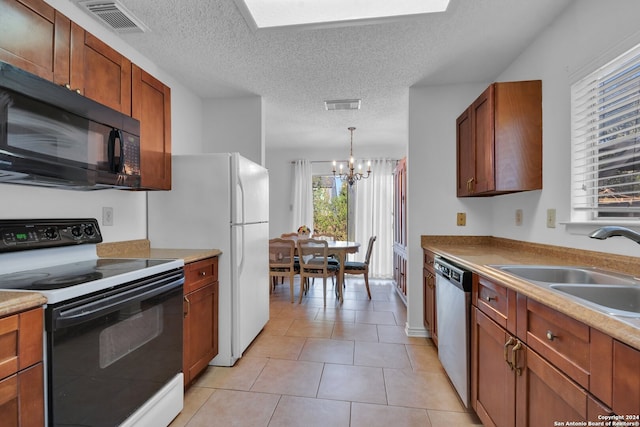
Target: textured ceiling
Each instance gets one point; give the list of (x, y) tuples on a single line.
[(209, 47)]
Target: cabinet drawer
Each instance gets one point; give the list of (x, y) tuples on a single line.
[(20, 341), (200, 273), (562, 340), (496, 301)]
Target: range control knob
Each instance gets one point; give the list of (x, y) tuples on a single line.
[(76, 231), (51, 233), (89, 230)]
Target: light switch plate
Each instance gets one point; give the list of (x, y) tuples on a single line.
[(551, 218), (518, 217)]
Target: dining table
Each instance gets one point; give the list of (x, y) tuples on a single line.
[(339, 249)]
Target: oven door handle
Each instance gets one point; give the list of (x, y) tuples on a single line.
[(92, 310)]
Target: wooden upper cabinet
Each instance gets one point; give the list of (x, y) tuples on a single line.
[(499, 141), (35, 37), (151, 104), (99, 72)]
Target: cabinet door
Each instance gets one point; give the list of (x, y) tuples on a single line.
[(31, 396), (22, 398), (99, 72), (466, 154), (200, 330), (36, 38), (492, 380), (545, 395), (151, 104), (626, 387), (430, 317), (400, 202), (482, 131)]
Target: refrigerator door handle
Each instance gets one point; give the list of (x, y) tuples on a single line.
[(240, 249), (240, 197)]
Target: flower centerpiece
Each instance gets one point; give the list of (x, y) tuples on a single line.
[(303, 231)]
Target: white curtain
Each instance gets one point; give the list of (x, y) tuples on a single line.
[(374, 217), (302, 197)]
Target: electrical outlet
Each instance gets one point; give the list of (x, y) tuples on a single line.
[(518, 217), (551, 218), (461, 219), (107, 215)]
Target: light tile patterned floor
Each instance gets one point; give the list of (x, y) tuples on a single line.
[(341, 365)]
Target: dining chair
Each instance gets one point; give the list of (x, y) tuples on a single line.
[(282, 263), (313, 255), (355, 267), (332, 259)]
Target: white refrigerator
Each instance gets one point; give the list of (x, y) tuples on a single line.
[(221, 201)]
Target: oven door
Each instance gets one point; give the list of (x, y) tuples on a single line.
[(109, 353)]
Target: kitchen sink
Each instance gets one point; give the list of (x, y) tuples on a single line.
[(564, 274), (614, 299)]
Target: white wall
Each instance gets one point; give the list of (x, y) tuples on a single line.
[(129, 208), (234, 125), (561, 52)]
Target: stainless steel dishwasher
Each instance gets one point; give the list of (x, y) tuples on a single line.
[(453, 299)]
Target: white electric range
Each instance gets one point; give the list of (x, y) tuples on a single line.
[(113, 327)]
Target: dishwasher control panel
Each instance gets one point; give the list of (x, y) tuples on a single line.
[(454, 273)]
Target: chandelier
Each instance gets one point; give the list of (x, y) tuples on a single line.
[(351, 176)]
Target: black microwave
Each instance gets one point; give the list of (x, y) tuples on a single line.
[(52, 136)]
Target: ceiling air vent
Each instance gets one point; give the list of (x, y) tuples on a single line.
[(342, 104), (114, 15)]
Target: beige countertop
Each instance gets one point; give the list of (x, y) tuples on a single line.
[(12, 302), (479, 253), (142, 249)]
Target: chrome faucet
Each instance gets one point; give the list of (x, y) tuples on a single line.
[(611, 231)]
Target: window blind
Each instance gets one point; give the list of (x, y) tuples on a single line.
[(605, 134)]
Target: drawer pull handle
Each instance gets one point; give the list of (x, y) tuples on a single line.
[(511, 341), (203, 273), (550, 336), (489, 299)]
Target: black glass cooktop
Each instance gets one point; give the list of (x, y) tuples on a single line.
[(65, 275)]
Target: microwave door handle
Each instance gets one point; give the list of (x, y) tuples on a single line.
[(121, 162), (111, 147), (115, 166)]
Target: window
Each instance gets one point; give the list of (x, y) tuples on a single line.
[(331, 207), (605, 109)]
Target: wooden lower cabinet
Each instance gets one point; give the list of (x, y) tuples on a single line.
[(429, 296), (200, 317), (21, 370), (534, 366), (492, 379), (626, 385), (514, 386)]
